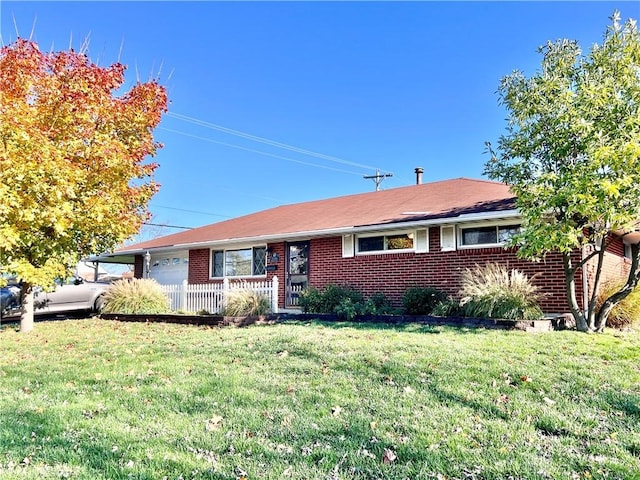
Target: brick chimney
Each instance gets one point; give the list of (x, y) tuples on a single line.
[(419, 171)]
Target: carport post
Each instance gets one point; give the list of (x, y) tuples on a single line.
[(147, 263)]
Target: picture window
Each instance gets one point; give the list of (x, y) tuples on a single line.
[(244, 262)]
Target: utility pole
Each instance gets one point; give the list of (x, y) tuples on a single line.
[(378, 177)]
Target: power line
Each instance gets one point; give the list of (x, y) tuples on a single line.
[(259, 152), (192, 211), (266, 141), (168, 226)]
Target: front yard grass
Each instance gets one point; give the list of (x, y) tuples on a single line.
[(98, 399)]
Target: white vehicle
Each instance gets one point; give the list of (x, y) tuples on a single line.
[(70, 295)]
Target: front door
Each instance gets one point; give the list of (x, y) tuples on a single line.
[(297, 271)]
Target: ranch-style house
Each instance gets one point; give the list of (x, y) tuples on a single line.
[(383, 241)]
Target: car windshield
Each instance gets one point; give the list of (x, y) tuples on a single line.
[(8, 279)]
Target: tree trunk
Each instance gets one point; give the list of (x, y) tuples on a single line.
[(627, 288), (570, 286), (26, 317), (593, 298)]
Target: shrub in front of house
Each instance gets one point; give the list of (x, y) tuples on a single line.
[(626, 313), (334, 295), (347, 309), (328, 300), (245, 303), (492, 291), (345, 302), (378, 304), (448, 307), (310, 300), (136, 296), (422, 300)]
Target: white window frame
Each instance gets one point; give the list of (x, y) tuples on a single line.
[(224, 251), (496, 225), (390, 233)]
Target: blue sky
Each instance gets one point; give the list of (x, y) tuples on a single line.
[(363, 85)]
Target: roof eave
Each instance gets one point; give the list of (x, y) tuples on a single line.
[(271, 238)]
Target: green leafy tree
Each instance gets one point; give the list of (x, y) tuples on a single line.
[(72, 175), (571, 154)]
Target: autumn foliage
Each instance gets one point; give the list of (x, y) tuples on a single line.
[(73, 177)]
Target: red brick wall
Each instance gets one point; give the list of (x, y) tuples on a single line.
[(199, 268), (280, 265), (394, 273), (615, 265)]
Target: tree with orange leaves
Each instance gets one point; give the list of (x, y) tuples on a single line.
[(73, 177)]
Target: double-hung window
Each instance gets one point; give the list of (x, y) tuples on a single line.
[(487, 235), (244, 262)]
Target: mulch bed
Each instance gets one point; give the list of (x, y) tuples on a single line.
[(545, 325)]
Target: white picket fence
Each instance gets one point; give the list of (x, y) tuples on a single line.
[(210, 297)]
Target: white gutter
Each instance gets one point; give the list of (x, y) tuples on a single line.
[(469, 217)]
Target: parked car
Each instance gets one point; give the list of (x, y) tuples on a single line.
[(70, 295), (9, 299)]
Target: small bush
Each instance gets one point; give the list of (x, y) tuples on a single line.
[(344, 301), (245, 303), (334, 295), (347, 309), (624, 314), (377, 304), (313, 300), (492, 291), (136, 296), (422, 300), (447, 308), (310, 300)]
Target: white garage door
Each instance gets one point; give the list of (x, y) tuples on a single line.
[(171, 268)]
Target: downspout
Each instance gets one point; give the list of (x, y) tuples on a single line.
[(585, 285)]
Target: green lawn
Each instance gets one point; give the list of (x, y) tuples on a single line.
[(97, 399)]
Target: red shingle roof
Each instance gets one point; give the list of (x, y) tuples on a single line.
[(443, 199)]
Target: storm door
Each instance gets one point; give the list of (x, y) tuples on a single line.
[(297, 271)]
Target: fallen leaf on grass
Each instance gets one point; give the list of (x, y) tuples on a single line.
[(548, 401), (213, 423), (389, 456)]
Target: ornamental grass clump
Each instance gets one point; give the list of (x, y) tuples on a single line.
[(626, 313), (245, 303), (492, 291), (136, 296)]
